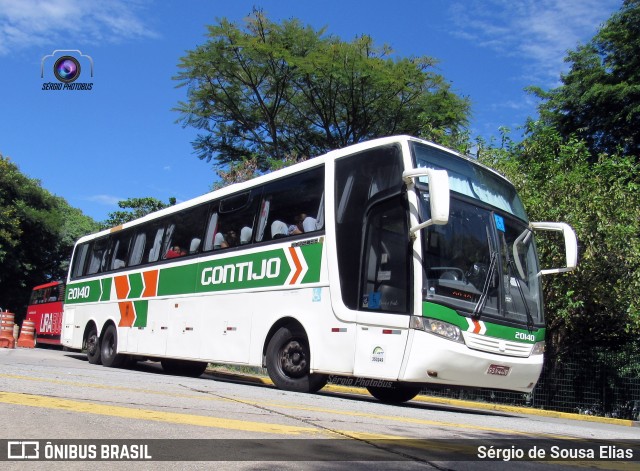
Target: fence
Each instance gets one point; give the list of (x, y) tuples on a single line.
[(599, 382)]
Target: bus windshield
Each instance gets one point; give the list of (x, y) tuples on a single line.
[(470, 179), (483, 264)]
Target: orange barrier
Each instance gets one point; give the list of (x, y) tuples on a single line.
[(27, 337), (7, 320)]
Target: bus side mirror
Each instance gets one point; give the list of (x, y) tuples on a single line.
[(438, 195), (570, 244)]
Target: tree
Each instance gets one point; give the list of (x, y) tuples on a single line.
[(37, 233), (558, 180), (287, 91), (599, 99), (135, 208)]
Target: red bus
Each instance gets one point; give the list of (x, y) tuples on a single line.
[(45, 310)]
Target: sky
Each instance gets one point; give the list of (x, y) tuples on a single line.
[(121, 138)]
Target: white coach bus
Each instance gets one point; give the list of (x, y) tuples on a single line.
[(394, 260)]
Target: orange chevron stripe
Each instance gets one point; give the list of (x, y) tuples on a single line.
[(150, 283), (127, 314), (297, 263), (477, 326), (122, 286)]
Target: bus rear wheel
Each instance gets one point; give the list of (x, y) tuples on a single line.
[(394, 394), (288, 362), (109, 348), (92, 344)]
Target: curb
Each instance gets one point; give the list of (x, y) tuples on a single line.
[(258, 379)]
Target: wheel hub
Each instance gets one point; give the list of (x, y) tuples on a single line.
[(293, 360)]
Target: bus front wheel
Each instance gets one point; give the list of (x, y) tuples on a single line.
[(396, 393), (92, 344), (288, 362), (109, 348)]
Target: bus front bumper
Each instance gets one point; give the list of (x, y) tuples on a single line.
[(436, 360)]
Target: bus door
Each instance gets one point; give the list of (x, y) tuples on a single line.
[(374, 258), (385, 291)]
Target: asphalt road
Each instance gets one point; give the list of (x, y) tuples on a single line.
[(229, 421)]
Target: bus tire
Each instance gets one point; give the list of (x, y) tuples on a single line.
[(193, 369), (109, 348), (395, 394), (288, 362), (92, 344)]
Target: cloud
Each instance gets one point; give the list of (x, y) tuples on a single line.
[(541, 32), (108, 200), (32, 23)]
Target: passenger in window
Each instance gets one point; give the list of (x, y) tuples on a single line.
[(303, 223), (232, 238), (176, 251), (223, 241)]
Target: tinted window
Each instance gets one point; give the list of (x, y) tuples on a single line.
[(359, 178), (292, 206)]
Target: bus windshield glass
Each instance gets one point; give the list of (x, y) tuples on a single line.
[(482, 263), (470, 179)]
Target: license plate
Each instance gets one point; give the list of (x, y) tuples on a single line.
[(499, 370)]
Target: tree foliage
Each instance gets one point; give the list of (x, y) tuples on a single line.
[(284, 90), (597, 304), (135, 208), (599, 99), (37, 233)]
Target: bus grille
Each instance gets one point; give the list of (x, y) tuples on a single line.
[(497, 346)]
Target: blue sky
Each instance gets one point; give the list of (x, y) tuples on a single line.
[(120, 139)]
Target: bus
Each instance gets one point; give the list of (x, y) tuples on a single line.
[(45, 311), (395, 261)]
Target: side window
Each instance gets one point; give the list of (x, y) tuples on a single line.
[(79, 260), (137, 250), (120, 244), (292, 206), (153, 253), (386, 262), (231, 224), (359, 178), (97, 256), (36, 297), (184, 232)]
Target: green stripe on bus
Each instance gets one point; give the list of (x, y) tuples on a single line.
[(105, 284), (135, 285), (313, 256), (255, 270), (142, 308), (436, 311)]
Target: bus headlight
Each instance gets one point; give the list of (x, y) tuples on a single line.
[(538, 348), (437, 327)]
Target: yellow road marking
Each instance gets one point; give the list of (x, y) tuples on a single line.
[(409, 420), (45, 402)]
